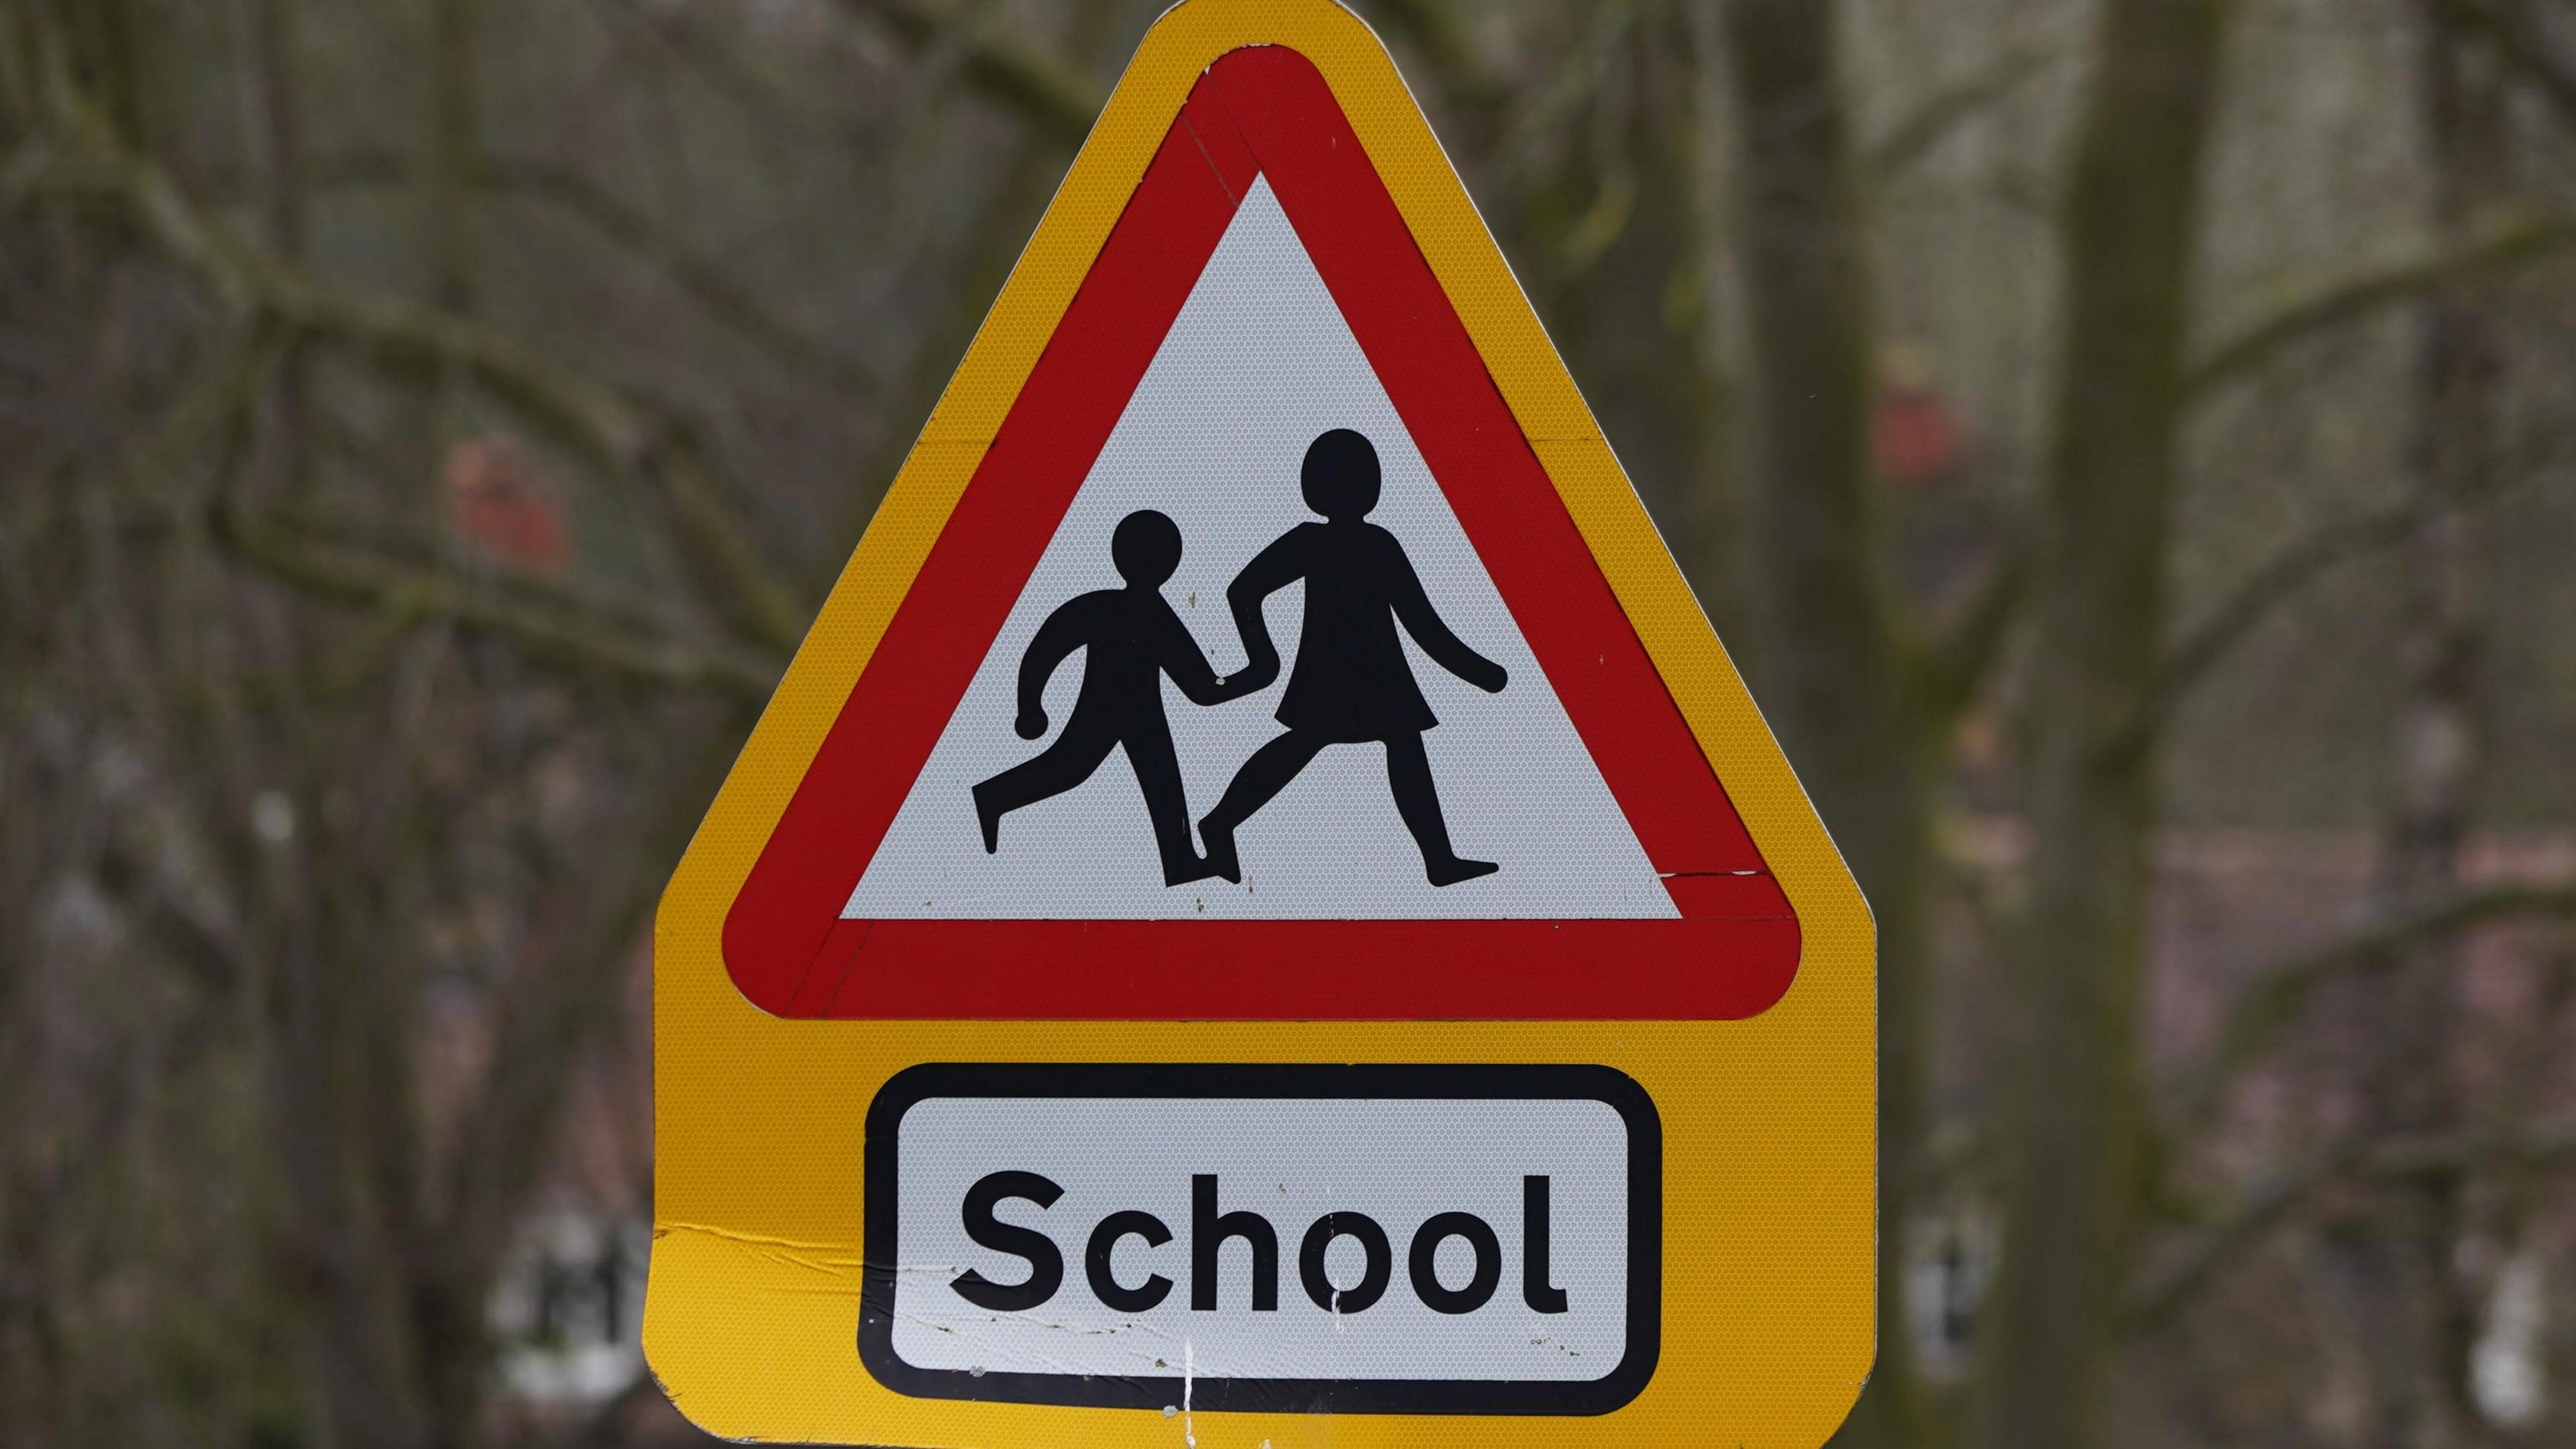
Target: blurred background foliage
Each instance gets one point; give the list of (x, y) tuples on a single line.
[(2126, 441)]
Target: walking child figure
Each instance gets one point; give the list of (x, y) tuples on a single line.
[(1130, 639), (1352, 684)]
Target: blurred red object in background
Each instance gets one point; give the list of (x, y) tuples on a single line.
[(1913, 439), (503, 510)]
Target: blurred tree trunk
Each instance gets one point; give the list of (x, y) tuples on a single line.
[(345, 1161), (395, 1295), (273, 82), (2395, 1261), (2072, 1113), (453, 151), (451, 158), (107, 45), (1835, 672)]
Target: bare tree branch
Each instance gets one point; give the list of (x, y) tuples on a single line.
[(2157, 1295), (2254, 601), (582, 413), (2280, 579), (615, 430), (1055, 101), (1436, 32), (2276, 997), (1957, 664), (2283, 575), (2508, 248), (2539, 1147), (210, 948), (2264, 1206), (610, 217), (698, 41), (686, 269), (2516, 33), (1947, 110), (546, 619)]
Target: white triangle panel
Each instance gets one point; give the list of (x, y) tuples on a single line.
[(1258, 363)]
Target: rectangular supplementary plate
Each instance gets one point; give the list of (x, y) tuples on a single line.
[(1298, 1238)]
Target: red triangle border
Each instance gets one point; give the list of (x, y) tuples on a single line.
[(1732, 953)]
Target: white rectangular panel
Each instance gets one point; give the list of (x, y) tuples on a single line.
[(1523, 1206)]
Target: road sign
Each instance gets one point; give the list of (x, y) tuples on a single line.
[(1261, 913)]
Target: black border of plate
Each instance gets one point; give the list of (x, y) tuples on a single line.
[(1540, 1082)]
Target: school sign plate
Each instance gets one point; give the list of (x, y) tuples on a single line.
[(1261, 912)]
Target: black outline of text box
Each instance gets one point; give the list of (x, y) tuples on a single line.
[(1036, 1080)]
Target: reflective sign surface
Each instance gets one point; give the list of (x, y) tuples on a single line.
[(1261, 913)]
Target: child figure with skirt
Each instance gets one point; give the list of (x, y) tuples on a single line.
[(1352, 683)]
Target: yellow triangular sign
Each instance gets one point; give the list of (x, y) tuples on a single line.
[(1261, 900)]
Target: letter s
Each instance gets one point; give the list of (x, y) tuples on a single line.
[(1046, 1264)]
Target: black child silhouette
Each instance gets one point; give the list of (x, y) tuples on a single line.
[(1130, 639), (1353, 684)]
